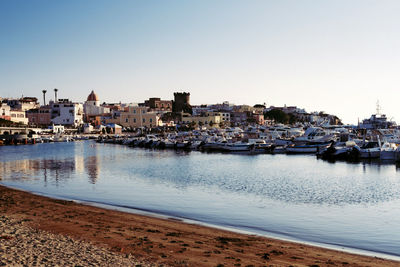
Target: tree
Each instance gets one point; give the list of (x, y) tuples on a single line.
[(277, 115)]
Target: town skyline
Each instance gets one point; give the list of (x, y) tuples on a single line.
[(338, 57), (50, 97)]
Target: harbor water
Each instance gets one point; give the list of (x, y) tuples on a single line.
[(296, 197)]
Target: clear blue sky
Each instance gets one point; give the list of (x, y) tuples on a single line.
[(335, 56)]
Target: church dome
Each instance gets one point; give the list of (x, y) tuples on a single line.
[(93, 97)]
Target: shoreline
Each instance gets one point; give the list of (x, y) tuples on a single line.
[(151, 214), (167, 240), (143, 212)]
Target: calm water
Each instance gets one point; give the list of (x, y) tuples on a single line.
[(295, 197)]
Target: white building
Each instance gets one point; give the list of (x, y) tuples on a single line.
[(5, 111), (65, 112), (92, 106), (57, 128), (23, 103), (199, 110), (18, 116), (225, 116)]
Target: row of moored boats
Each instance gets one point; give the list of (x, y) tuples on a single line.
[(333, 143)]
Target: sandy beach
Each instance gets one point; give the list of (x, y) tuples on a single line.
[(40, 231)]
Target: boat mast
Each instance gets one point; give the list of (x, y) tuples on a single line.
[(378, 108)]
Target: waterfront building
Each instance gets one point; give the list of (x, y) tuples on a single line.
[(243, 108), (5, 111), (259, 118), (239, 118), (225, 106), (18, 116), (23, 103), (57, 128), (66, 112), (208, 120), (92, 109), (113, 117), (198, 110), (115, 128), (158, 105), (136, 116), (39, 116), (225, 117), (14, 108), (88, 128)]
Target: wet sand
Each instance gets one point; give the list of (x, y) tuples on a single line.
[(118, 238)]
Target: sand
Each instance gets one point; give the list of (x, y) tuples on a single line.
[(40, 231)]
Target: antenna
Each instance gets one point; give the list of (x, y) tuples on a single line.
[(378, 108)]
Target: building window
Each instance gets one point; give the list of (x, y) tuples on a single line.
[(143, 111), (144, 120), (134, 111), (126, 120), (151, 120), (134, 120)]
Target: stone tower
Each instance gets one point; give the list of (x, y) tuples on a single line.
[(182, 103)]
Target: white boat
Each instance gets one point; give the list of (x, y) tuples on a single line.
[(260, 146), (316, 135), (236, 147), (282, 142), (297, 149), (338, 151), (369, 150), (58, 137), (388, 151), (278, 150)]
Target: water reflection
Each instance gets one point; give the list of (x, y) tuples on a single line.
[(54, 170), (92, 167), (353, 204)]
